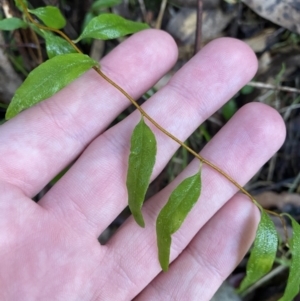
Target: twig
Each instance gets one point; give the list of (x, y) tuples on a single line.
[(36, 57), (295, 184), (161, 14), (272, 168), (291, 107), (199, 26), (288, 110), (39, 58), (143, 9), (28, 45), (38, 46), (6, 9), (273, 87)]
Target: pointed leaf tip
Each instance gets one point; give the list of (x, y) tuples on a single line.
[(173, 214), (110, 26), (140, 167), (50, 15), (263, 253)]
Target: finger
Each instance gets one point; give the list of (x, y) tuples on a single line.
[(245, 143), (210, 257), (41, 141), (94, 188)]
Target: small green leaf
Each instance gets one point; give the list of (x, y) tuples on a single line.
[(56, 45), (18, 4), (140, 167), (47, 79), (12, 24), (229, 109), (173, 214), (50, 15), (247, 90), (110, 26), (293, 284), (263, 253), (87, 18), (103, 4)]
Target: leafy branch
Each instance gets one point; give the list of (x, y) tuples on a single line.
[(141, 110), (66, 63)]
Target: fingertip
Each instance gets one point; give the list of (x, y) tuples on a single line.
[(267, 124), (152, 45), (163, 41), (236, 53)]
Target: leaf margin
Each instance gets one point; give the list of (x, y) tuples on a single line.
[(163, 231), (290, 292), (102, 27), (49, 13), (136, 166), (19, 23), (253, 265), (29, 90)]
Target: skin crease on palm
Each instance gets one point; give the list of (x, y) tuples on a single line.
[(49, 251)]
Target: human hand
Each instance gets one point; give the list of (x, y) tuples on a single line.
[(50, 251)]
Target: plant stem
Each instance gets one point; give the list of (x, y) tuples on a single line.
[(141, 110), (49, 28), (203, 160), (161, 14), (38, 46)]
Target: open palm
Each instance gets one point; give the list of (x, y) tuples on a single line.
[(49, 251)]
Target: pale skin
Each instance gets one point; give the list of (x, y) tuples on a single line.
[(49, 250)]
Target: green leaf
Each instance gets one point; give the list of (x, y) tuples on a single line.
[(293, 284), (50, 15), (229, 109), (140, 167), (110, 26), (18, 4), (263, 253), (103, 4), (172, 215), (247, 90), (12, 24), (56, 45), (87, 18), (47, 79)]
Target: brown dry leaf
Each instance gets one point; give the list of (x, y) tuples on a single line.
[(271, 199), (259, 42), (183, 25), (285, 13)]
